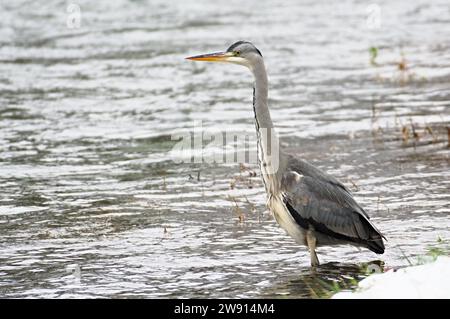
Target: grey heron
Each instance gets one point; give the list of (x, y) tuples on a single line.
[(311, 206)]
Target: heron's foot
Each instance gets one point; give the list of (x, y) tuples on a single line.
[(311, 241), (314, 259)]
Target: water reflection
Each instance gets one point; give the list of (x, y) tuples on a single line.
[(324, 281)]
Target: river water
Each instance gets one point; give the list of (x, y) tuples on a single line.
[(92, 202)]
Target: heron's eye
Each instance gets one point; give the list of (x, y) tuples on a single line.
[(237, 52)]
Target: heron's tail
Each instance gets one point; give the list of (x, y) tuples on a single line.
[(376, 244), (374, 240)]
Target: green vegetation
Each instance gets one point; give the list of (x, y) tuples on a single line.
[(441, 248), (373, 51)]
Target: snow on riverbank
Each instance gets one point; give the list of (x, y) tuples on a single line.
[(425, 281)]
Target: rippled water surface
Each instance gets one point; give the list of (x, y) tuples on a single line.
[(91, 202)]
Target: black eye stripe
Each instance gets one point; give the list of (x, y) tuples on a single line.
[(235, 45)]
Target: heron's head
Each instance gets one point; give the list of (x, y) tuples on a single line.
[(241, 52)]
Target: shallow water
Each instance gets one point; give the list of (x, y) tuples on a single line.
[(92, 203)]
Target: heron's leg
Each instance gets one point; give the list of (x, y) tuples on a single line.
[(311, 241)]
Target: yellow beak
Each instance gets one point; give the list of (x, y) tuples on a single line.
[(212, 57)]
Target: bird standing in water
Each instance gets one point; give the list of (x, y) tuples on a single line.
[(310, 205)]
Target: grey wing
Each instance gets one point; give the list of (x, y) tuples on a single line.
[(306, 169), (329, 209)]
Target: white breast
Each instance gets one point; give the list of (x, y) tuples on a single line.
[(285, 219)]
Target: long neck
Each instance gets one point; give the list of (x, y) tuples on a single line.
[(268, 144), (260, 98)]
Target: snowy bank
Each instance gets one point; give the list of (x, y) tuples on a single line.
[(425, 281)]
